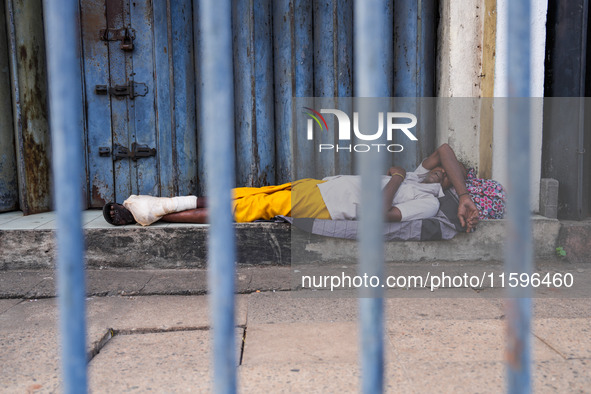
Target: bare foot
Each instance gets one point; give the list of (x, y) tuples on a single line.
[(117, 214)]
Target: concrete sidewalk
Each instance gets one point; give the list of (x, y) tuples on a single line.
[(284, 342)]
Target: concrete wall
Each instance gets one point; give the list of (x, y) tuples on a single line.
[(459, 63), (538, 36), (471, 62)]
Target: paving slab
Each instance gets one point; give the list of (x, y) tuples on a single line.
[(87, 217), (546, 306), (6, 217), (297, 377), (157, 362), (483, 340), (32, 315), (29, 222), (293, 342), (6, 304), (100, 222), (569, 376), (300, 343), (570, 337), (564, 308), (287, 307), (155, 312), (30, 360), (29, 350), (450, 306), (439, 376)]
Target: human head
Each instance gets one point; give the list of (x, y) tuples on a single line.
[(439, 175)]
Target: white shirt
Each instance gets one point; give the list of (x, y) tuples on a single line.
[(415, 200)]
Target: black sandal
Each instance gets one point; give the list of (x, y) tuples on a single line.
[(121, 216)]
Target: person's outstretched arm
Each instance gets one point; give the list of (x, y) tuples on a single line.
[(198, 215), (445, 157), (397, 174)]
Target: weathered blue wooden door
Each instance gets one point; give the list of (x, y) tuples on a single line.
[(140, 98)]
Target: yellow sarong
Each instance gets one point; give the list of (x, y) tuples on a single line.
[(252, 203)]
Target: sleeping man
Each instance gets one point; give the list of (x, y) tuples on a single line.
[(407, 196)]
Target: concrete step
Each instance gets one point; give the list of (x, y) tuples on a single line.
[(35, 284), (427, 279), (27, 243)]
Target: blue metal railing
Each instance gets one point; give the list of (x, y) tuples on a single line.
[(65, 104), (519, 239), (371, 25), (371, 80), (217, 105)]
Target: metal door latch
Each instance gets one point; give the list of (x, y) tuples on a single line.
[(125, 35), (127, 42), (132, 89), (138, 151)]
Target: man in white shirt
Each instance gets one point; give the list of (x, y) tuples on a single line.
[(407, 196), (414, 198)]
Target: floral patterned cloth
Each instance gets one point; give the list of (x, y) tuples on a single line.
[(488, 195)]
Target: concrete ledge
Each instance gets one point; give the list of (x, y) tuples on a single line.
[(271, 244), (575, 239), (484, 244), (147, 247)]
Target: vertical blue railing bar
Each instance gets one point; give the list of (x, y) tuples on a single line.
[(371, 24), (518, 251), (217, 107), (65, 105)]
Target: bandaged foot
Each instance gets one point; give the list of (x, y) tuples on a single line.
[(147, 209)]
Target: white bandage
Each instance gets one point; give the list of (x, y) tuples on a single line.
[(147, 209), (186, 202)]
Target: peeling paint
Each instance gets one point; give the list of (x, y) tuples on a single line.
[(255, 129), (30, 97), (8, 175)]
